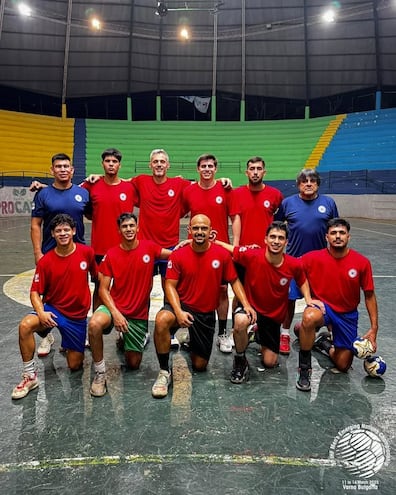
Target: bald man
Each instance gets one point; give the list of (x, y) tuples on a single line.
[(193, 281)]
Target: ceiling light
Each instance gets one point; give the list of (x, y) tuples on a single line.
[(329, 16), (162, 9), (24, 9), (95, 23)]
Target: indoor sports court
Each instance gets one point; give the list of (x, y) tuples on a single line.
[(208, 435)]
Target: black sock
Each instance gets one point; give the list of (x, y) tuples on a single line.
[(163, 360), (222, 327), (304, 359)]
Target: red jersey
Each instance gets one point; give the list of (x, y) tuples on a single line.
[(161, 207), (63, 281), (132, 274), (216, 203), (337, 281), (108, 202), (267, 286), (256, 209), (200, 275)]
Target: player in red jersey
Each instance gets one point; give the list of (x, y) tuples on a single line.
[(109, 197), (257, 203), (336, 276), (267, 278), (126, 280), (61, 298), (208, 197), (193, 279)]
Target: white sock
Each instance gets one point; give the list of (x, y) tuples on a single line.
[(100, 367), (29, 367), (285, 331)]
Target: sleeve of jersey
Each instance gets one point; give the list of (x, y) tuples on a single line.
[(230, 273), (172, 270), (38, 281), (299, 273), (232, 204), (38, 210), (367, 281), (93, 267), (135, 187), (105, 266)]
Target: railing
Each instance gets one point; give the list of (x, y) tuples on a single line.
[(21, 177)]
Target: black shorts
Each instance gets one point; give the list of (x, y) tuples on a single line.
[(201, 331), (268, 331)]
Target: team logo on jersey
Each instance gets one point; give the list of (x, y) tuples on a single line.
[(266, 203), (123, 197), (78, 198), (171, 193), (219, 200), (83, 265), (321, 209), (352, 273), (36, 277), (215, 264), (170, 264), (283, 281), (146, 258)]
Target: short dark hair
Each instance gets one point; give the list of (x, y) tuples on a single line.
[(278, 225), (335, 222), (112, 152), (126, 216), (207, 156), (60, 156), (308, 173), (255, 159), (61, 219)]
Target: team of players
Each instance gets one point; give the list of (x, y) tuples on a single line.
[(197, 273)]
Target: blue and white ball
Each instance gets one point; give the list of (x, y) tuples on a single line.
[(374, 366), (362, 348)]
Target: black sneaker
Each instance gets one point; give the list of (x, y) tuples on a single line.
[(240, 371), (304, 379), (322, 344)]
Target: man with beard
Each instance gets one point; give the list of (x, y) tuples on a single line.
[(336, 276), (193, 282)]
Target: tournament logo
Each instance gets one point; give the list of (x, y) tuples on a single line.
[(36, 277), (219, 200), (123, 197), (146, 258), (352, 273), (266, 204), (171, 193), (321, 209), (170, 264), (83, 265), (283, 281), (78, 198), (361, 449), (215, 264)]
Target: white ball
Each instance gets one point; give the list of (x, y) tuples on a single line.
[(374, 366), (362, 348)]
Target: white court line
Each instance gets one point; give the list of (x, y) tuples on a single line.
[(375, 231), (237, 459)]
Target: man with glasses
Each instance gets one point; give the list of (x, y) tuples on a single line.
[(307, 214)]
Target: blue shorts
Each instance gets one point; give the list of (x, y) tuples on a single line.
[(294, 291), (73, 332), (161, 265), (344, 327)]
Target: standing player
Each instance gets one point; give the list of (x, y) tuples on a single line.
[(307, 214), (193, 279), (208, 197), (125, 285), (62, 196), (61, 298), (109, 196), (336, 276), (267, 278)]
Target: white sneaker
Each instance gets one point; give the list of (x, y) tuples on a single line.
[(224, 343), (45, 345), (174, 343), (161, 384), (98, 385), (146, 340)]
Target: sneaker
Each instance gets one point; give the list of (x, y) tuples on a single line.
[(284, 346), (251, 331), (224, 343), (184, 340), (161, 384), (27, 384), (120, 342), (45, 345), (87, 344), (240, 371), (98, 386), (174, 343), (146, 340), (304, 379), (322, 344)]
